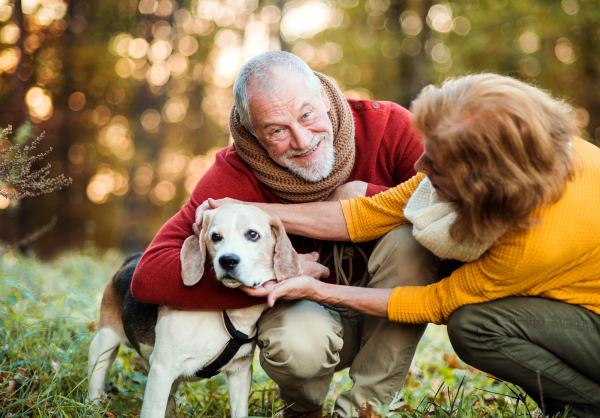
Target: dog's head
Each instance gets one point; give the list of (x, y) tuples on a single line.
[(247, 246)]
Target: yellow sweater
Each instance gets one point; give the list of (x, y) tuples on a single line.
[(558, 258)]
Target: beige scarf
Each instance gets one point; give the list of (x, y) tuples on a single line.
[(432, 219), (288, 187)]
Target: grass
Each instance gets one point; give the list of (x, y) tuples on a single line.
[(47, 320)]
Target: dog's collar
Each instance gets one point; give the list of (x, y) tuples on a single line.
[(236, 340)]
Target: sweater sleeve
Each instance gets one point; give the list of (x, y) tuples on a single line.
[(499, 273), (368, 218), (157, 278)]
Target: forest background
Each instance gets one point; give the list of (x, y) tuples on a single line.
[(134, 96)]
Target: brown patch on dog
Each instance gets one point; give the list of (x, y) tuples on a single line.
[(110, 309)]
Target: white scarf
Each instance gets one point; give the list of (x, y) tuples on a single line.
[(432, 218)]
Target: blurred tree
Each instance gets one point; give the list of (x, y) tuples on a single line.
[(135, 94)]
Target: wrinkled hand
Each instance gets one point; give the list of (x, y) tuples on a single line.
[(349, 190), (208, 205), (310, 267), (300, 287)]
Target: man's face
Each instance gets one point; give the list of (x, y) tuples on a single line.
[(293, 126)]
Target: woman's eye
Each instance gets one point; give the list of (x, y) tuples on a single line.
[(214, 237), (252, 235)]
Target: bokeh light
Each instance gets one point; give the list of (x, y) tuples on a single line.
[(564, 51), (39, 103), (10, 34), (305, 20), (76, 101), (411, 23), (4, 202), (439, 18)]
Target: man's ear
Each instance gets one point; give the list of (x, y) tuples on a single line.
[(193, 254), (325, 98), (286, 262)]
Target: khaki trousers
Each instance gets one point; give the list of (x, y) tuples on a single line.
[(302, 343)]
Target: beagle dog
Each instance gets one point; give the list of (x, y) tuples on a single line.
[(247, 247)]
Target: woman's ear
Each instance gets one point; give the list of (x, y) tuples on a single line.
[(286, 262)]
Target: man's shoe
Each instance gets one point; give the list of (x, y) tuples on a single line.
[(288, 412)]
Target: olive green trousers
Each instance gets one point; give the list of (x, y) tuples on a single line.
[(550, 349)]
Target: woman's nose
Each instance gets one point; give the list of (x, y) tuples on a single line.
[(421, 165)]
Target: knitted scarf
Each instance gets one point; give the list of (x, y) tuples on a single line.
[(288, 187), (432, 219)]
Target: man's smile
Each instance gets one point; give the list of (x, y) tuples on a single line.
[(309, 153)]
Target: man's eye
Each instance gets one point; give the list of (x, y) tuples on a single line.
[(214, 237), (306, 115), (252, 235), (277, 131)]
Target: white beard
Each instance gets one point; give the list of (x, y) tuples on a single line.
[(317, 169)]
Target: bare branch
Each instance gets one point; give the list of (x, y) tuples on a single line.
[(15, 170)]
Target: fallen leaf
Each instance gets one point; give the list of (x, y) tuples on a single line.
[(452, 361), (55, 364), (110, 414), (415, 384), (415, 371), (367, 412), (11, 386)]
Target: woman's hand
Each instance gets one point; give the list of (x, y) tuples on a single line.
[(300, 287)]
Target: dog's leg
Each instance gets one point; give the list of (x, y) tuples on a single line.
[(103, 351), (239, 384), (171, 407), (160, 381)]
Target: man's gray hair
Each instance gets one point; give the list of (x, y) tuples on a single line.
[(259, 72)]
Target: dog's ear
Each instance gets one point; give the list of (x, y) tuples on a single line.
[(286, 262), (193, 254)]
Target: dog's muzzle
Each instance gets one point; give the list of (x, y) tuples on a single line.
[(229, 261)]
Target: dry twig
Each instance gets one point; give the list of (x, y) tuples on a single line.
[(16, 171)]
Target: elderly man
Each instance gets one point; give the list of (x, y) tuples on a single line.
[(297, 139)]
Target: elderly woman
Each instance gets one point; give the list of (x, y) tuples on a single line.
[(507, 187)]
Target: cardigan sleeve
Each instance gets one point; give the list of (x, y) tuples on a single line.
[(368, 218)]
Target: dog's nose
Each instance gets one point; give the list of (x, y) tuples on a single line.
[(229, 261)]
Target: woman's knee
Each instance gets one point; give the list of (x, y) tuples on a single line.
[(463, 326)]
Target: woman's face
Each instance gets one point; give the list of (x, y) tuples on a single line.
[(429, 165)]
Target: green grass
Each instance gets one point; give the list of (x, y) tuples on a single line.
[(47, 320)]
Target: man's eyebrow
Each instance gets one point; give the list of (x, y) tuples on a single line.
[(267, 124)]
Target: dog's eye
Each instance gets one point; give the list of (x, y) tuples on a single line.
[(214, 237), (252, 235)]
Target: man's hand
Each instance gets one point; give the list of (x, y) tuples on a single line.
[(310, 267), (211, 204), (349, 190), (300, 287)]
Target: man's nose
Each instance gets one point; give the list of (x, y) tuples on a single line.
[(301, 138)]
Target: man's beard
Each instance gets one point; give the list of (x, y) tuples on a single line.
[(317, 169)]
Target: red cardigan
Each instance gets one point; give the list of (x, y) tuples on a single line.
[(386, 150)]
